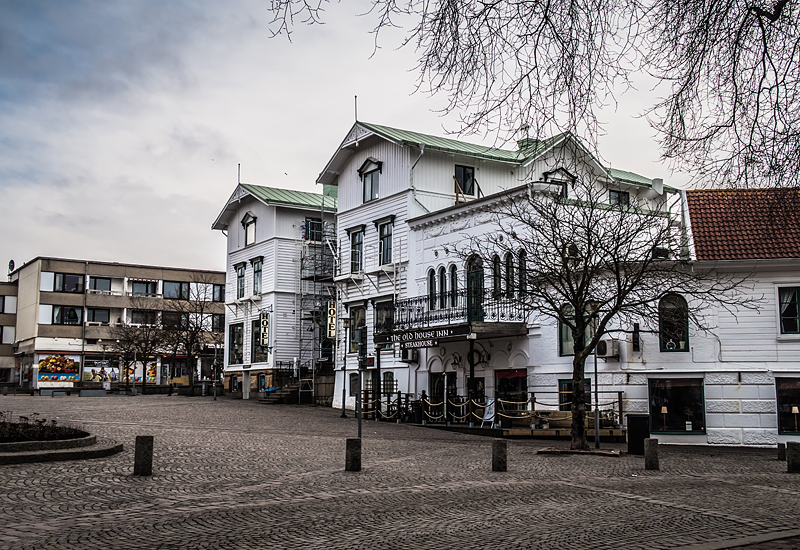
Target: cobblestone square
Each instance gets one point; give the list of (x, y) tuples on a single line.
[(239, 474)]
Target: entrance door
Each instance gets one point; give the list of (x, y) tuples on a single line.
[(440, 380), (474, 289)]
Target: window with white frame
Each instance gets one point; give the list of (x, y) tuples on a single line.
[(431, 289), (442, 287), (236, 344), (619, 198), (371, 186), (257, 268), (465, 179), (240, 268), (673, 321), (509, 275), (249, 226), (358, 320), (357, 251), (385, 242), (523, 273), (789, 311), (453, 286)]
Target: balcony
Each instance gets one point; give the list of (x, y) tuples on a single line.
[(478, 308)]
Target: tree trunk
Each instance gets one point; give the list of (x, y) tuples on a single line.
[(578, 403)]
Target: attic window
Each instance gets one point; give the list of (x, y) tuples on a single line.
[(561, 178), (249, 225), (369, 174)]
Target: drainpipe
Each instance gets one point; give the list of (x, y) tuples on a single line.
[(83, 323)]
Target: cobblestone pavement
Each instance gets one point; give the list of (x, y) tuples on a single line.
[(239, 474)]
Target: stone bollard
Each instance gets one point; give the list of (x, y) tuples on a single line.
[(781, 451), (793, 457), (651, 454), (5, 390), (352, 460), (143, 457), (499, 455)]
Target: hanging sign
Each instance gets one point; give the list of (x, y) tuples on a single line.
[(331, 318), (265, 328)]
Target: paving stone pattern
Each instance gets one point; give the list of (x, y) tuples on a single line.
[(239, 474)]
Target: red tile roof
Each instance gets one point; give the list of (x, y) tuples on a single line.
[(731, 224)]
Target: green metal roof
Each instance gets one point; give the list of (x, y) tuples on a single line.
[(289, 197), (447, 145)]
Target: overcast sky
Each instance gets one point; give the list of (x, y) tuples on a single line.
[(122, 123)]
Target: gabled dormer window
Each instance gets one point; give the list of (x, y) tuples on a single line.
[(370, 176), (561, 179), (249, 225)]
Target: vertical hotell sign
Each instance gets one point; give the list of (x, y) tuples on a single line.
[(265, 329), (331, 318)]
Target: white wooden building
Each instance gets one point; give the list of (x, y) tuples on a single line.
[(405, 201), (275, 236)]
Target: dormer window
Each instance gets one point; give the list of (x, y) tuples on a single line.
[(249, 225), (561, 180), (369, 174)]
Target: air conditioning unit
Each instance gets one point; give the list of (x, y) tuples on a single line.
[(410, 355), (607, 347)]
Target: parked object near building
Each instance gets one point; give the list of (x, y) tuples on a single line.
[(280, 298), (69, 314)]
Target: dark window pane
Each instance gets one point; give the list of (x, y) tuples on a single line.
[(99, 283), (236, 344), (788, 393), (676, 405)]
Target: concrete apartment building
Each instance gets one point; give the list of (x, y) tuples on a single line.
[(67, 308)]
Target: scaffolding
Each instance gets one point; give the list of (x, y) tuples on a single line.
[(315, 290)]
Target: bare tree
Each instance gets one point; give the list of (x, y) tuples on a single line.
[(191, 320), (592, 266), (727, 72), (139, 339)]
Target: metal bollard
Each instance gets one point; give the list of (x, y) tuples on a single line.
[(499, 455), (352, 461), (143, 457), (781, 451), (651, 454), (793, 457)]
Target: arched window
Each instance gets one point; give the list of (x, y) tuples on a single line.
[(442, 288), (475, 289), (388, 383), (453, 286), (673, 323), (497, 285), (431, 289), (509, 275), (523, 273)]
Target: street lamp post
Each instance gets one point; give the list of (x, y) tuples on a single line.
[(345, 326)]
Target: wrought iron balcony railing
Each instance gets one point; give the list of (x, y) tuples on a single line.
[(462, 306)]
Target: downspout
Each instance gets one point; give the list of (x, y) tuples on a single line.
[(83, 322), (688, 252)]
